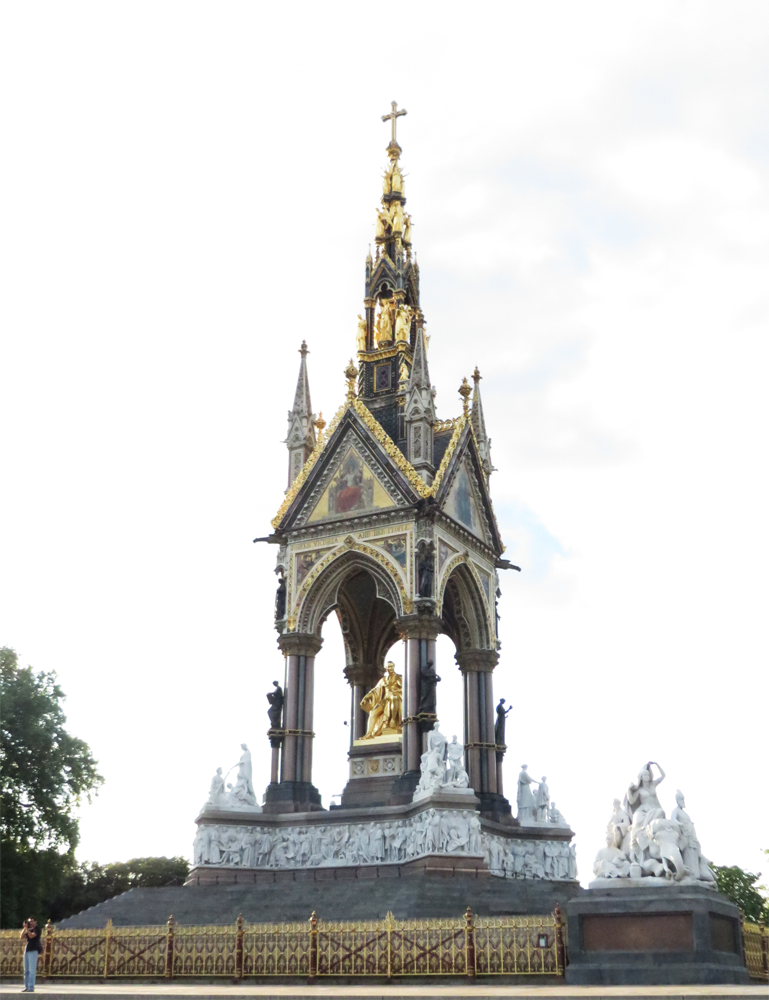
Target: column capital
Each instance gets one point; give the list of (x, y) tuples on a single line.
[(477, 660), (299, 644), (419, 626), (361, 673)]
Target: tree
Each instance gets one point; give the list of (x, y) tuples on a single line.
[(44, 773), (740, 887), (88, 884)]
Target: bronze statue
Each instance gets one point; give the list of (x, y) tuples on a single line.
[(275, 711), (384, 704), (499, 725), (425, 569), (427, 693), (280, 600)]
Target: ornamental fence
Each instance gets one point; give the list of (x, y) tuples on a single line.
[(465, 946), (755, 938)]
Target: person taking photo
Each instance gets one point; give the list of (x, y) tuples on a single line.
[(30, 934)]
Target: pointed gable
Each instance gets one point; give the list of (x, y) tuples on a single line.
[(355, 471), (354, 489), (462, 502)]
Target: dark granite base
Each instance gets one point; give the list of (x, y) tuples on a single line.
[(334, 894), (666, 935)]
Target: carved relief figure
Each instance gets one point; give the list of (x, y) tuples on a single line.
[(384, 323), (384, 705)]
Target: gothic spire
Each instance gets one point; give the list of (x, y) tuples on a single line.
[(479, 425), (300, 439), (419, 413)]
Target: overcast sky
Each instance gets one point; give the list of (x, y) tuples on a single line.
[(189, 190)]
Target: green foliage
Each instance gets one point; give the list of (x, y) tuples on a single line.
[(88, 884), (44, 771), (30, 880), (51, 886), (740, 887)]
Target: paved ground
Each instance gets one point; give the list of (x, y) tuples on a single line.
[(428, 991)]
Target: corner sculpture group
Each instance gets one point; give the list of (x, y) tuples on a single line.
[(642, 843)]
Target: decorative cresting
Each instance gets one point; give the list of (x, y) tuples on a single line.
[(755, 939), (466, 945), (319, 591)]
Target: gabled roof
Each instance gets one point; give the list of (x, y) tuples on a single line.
[(354, 415)]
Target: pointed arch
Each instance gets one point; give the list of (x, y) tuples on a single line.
[(463, 609), (322, 596)]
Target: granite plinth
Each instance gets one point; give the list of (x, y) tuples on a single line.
[(623, 936), (336, 894)]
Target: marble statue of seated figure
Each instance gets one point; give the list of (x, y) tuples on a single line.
[(610, 862)]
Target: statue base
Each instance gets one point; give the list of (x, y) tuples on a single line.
[(375, 766), (622, 936), (291, 797)]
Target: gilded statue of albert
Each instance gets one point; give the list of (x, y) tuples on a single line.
[(384, 704)]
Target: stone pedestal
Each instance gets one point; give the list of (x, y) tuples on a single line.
[(375, 766), (664, 935)]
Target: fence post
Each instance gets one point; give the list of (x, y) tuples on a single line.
[(170, 948), (560, 951), (469, 944), (48, 948), (764, 948), (239, 948), (313, 970), (107, 935)]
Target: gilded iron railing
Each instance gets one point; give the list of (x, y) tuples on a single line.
[(463, 946), (755, 938)]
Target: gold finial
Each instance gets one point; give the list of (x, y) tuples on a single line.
[(465, 392), (476, 375), (351, 373), (394, 150), (319, 424)]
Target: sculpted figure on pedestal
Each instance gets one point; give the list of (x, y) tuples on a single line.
[(696, 864), (428, 682), (275, 711), (432, 767), (402, 324), (457, 776), (216, 790), (526, 801), (499, 725), (384, 704), (242, 794), (425, 568), (543, 801), (280, 600), (641, 843), (362, 333)]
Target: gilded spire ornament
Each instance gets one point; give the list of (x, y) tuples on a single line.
[(351, 374), (394, 149), (319, 424), (465, 392)]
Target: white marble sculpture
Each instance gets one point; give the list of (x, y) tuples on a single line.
[(543, 801), (432, 766), (642, 843), (239, 796), (434, 831), (457, 776), (216, 792), (527, 804)]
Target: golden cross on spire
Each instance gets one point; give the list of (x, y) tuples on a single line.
[(393, 116)]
